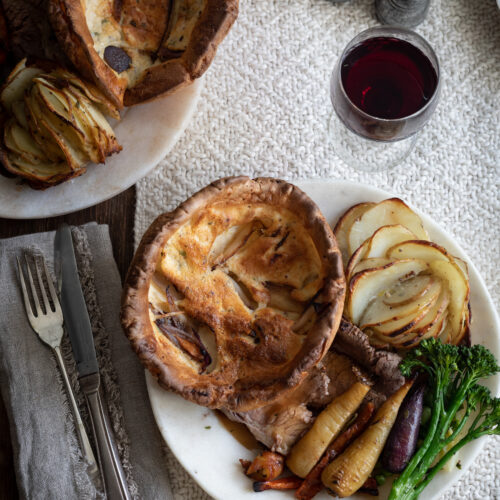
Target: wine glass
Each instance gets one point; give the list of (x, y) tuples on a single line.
[(384, 88)]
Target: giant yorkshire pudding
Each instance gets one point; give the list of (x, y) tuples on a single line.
[(232, 297), (136, 51)]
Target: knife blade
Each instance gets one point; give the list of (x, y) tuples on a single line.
[(73, 305), (77, 322)]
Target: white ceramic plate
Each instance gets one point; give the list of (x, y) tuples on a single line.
[(147, 132), (207, 450)]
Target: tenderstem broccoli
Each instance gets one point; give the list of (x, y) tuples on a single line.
[(457, 398)]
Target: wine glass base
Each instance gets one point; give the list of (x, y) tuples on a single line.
[(365, 154)]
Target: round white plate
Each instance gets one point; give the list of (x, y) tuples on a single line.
[(147, 132), (207, 450)]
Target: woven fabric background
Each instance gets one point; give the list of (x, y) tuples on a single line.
[(264, 111)]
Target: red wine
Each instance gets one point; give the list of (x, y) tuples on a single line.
[(388, 77)]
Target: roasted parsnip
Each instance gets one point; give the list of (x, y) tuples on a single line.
[(347, 473), (308, 450), (312, 483)]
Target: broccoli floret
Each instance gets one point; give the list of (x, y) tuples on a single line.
[(433, 357), (477, 361), (478, 396), (491, 420), (453, 373)]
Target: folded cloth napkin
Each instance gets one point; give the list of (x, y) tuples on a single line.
[(47, 456)]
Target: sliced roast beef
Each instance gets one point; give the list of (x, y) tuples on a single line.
[(280, 425), (276, 427), (351, 341)]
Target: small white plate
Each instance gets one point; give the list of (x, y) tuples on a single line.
[(207, 450), (147, 132)]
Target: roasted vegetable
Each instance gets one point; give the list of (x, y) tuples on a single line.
[(343, 227), (402, 288), (347, 473), (308, 450), (370, 487), (312, 483), (387, 212), (402, 441), (55, 125), (453, 373), (266, 466), (377, 245), (186, 339), (373, 282), (285, 483), (245, 464)]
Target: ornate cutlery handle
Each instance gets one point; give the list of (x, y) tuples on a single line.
[(115, 483), (92, 470)]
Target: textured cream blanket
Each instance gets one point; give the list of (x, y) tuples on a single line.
[(264, 111)]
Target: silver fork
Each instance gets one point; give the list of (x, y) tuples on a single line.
[(48, 324)]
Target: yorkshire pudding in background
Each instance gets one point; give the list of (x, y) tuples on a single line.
[(232, 297), (136, 51)]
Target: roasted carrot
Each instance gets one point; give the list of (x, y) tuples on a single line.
[(285, 483), (348, 472), (312, 483), (266, 466), (245, 464), (370, 487)]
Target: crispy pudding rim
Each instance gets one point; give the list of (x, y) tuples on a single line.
[(221, 389), (161, 77)]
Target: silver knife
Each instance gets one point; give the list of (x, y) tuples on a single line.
[(77, 323)]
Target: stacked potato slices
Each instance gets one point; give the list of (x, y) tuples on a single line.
[(53, 125), (402, 288)]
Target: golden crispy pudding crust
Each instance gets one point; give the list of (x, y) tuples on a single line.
[(234, 295), (138, 50)]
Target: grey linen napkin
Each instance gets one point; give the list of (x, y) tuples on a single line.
[(47, 457)]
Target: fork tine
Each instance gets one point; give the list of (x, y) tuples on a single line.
[(27, 302), (46, 302), (52, 291), (38, 309)]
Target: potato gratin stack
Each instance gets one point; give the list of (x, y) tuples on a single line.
[(402, 288), (54, 125)]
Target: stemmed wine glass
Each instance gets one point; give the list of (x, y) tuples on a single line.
[(384, 89)]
